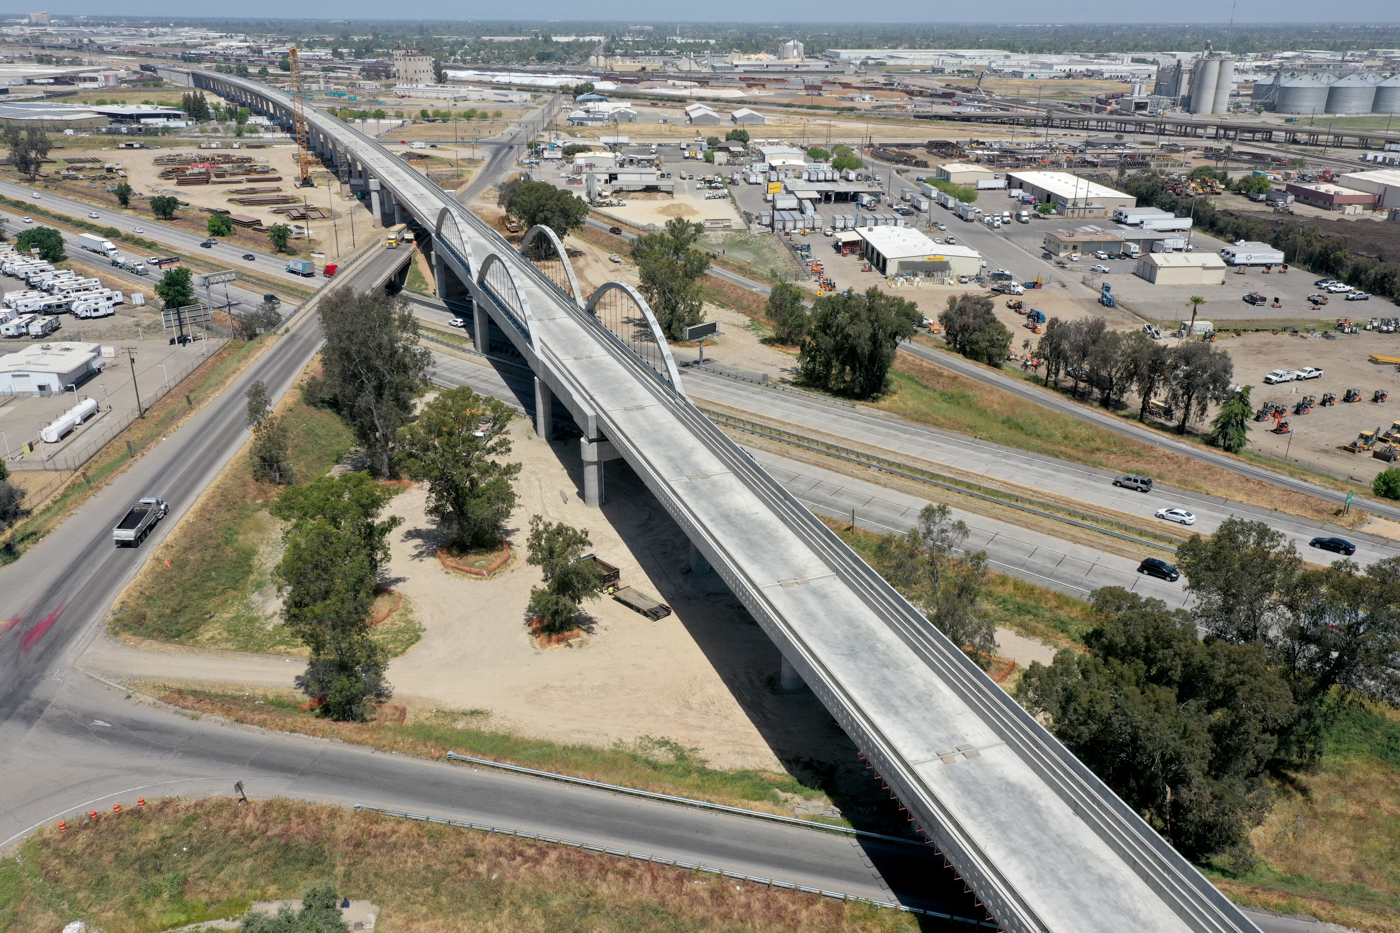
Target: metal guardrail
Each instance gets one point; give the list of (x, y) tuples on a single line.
[(683, 801), (916, 473), (778, 386), (676, 863)]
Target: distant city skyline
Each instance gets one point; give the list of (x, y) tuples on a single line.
[(1023, 12)]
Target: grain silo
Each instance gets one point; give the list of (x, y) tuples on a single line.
[(1203, 80), (1387, 98), (1302, 93), (1353, 93), (1224, 84)]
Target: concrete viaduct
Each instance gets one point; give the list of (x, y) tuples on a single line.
[(1046, 846)]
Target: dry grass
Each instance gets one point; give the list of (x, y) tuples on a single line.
[(930, 394), (188, 861), (658, 765)]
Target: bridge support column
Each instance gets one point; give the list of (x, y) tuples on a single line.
[(481, 323), (544, 409), (596, 452), (698, 563), (399, 215), (376, 203), (789, 681), (439, 276)]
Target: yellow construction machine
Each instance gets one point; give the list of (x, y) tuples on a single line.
[(1364, 441), (1392, 434)]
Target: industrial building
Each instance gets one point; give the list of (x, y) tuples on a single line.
[(905, 251), (1384, 184), (1060, 243), (1199, 85), (963, 173), (1332, 197), (1308, 93), (1181, 269), (746, 116), (699, 114), (52, 117), (49, 369), (413, 66), (1071, 195), (781, 157)]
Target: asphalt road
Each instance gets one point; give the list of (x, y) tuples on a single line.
[(228, 254), (1061, 477)]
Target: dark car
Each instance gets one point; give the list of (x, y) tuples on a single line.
[(249, 256), (1255, 298), (615, 230), (208, 243), (1339, 545), (1159, 568), (272, 298)]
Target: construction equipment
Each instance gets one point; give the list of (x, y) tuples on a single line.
[(1384, 359), (1328, 399), (1106, 296), (1353, 395), (1305, 405), (1015, 304), (1380, 396), (1392, 434), (1364, 441), (299, 120), (1387, 452)]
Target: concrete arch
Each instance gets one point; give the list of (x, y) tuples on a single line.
[(540, 230), (668, 370), (454, 238), (517, 306)]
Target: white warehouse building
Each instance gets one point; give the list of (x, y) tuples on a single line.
[(49, 368), (903, 250)]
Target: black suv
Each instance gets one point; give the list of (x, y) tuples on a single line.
[(1159, 568), (1339, 545)]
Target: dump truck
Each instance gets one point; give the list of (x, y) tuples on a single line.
[(638, 601), (606, 571), (1366, 440), (138, 522)]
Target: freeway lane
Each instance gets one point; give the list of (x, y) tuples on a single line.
[(1062, 477), (227, 254)]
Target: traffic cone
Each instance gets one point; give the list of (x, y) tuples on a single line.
[(92, 816), (62, 826), (141, 803), (116, 808)]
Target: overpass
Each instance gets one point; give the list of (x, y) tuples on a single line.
[(1046, 846)]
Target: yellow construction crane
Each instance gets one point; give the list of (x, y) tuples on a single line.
[(299, 119)]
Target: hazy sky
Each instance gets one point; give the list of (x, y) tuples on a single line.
[(810, 11)]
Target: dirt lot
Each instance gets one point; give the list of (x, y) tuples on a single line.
[(1317, 437)]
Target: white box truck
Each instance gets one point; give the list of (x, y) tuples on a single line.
[(1245, 253), (96, 244)]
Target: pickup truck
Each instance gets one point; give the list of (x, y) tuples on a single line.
[(1307, 372), (133, 528), (1280, 375)]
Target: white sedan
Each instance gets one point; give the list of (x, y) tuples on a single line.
[(1177, 515)]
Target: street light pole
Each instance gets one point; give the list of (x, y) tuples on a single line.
[(167, 375)]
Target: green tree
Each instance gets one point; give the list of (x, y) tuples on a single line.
[(738, 134), (1194, 303), (280, 236), (925, 565), (240, 71), (271, 456), (285, 64), (539, 203), (1230, 429), (164, 206), (261, 320), (1242, 578), (123, 193), (242, 116), (48, 240), (1150, 364), (852, 339), (373, 367), (1254, 184), (263, 72), (28, 148), (788, 314), (456, 446), (319, 913), (669, 266), (972, 329), (568, 581), (219, 225), (711, 142), (176, 287), (1196, 372), (335, 546), (963, 193), (11, 499), (818, 154), (1387, 484), (582, 89)]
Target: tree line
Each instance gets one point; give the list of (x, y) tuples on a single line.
[(1302, 243), (1186, 714), (335, 538)]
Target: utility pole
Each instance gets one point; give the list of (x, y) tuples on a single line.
[(131, 355)]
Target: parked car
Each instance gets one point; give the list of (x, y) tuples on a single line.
[(1307, 372), (1255, 298), (1159, 568), (1100, 254), (1358, 296), (951, 241), (1140, 483), (614, 257), (1337, 545), (1177, 515), (1319, 299), (940, 225), (1323, 283), (1336, 287), (1099, 268), (1280, 375)]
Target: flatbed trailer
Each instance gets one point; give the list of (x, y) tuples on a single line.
[(640, 602)]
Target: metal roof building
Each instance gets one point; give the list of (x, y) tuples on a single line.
[(745, 115), (1181, 269), (54, 116), (963, 173), (1383, 183), (1073, 196), (49, 368), (902, 250)]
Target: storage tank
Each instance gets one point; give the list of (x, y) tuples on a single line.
[(1387, 98), (1302, 93), (1353, 93), (1203, 79), (1224, 84)]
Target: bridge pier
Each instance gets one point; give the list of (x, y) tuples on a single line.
[(596, 452), (789, 681), (376, 204), (439, 275), (544, 409), (698, 563), (481, 324)]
